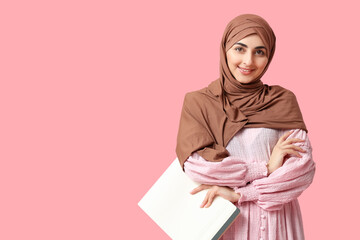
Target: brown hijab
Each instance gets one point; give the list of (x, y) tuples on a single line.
[(213, 115)]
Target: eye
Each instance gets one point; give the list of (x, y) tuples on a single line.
[(260, 52), (239, 49)]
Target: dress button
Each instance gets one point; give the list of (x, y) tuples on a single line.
[(263, 216), (262, 228)]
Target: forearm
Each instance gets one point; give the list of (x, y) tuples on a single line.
[(230, 172), (285, 183), (271, 195)]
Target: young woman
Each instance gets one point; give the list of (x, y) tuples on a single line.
[(246, 141)]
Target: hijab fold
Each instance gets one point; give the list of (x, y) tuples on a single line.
[(211, 116)]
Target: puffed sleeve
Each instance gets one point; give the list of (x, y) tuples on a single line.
[(231, 171), (284, 184)]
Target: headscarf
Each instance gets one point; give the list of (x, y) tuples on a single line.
[(211, 116)]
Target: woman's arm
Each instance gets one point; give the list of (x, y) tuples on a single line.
[(286, 183), (231, 171)]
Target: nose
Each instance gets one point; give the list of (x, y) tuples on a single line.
[(248, 58)]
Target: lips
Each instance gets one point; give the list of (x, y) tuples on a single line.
[(245, 71)]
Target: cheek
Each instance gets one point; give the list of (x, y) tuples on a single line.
[(262, 64), (232, 60)]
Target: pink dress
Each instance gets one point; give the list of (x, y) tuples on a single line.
[(269, 209)]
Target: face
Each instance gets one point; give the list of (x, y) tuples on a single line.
[(247, 58)]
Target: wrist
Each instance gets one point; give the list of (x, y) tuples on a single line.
[(236, 197), (270, 169), (247, 193)]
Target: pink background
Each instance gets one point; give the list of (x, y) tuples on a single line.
[(91, 93)]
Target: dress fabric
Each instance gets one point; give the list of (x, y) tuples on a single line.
[(269, 209)]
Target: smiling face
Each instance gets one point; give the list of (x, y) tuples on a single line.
[(247, 58)]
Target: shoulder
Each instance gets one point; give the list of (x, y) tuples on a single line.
[(278, 88), (283, 92), (194, 98), (201, 97)]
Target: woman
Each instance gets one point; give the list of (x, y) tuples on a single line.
[(246, 141)]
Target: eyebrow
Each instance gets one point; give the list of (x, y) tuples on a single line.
[(244, 45)]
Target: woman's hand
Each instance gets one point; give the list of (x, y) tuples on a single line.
[(282, 148), (225, 192)]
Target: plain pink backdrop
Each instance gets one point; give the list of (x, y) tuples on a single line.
[(90, 100)]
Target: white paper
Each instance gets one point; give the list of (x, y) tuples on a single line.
[(170, 204)]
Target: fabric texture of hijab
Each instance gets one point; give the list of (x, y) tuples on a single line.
[(213, 115)]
